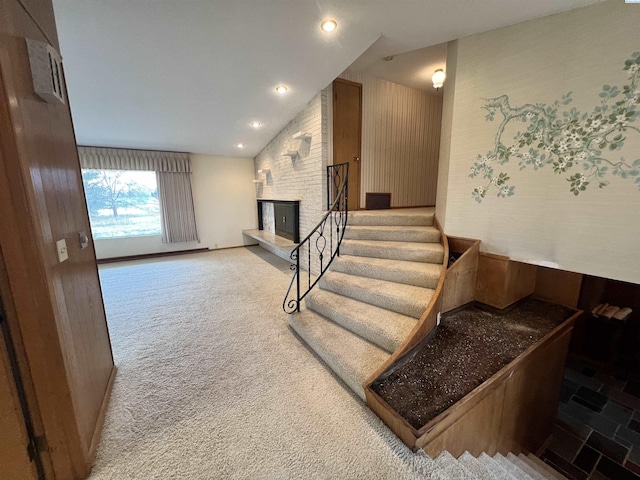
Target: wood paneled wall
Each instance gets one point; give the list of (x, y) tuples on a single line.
[(460, 282), (502, 281), (400, 141), (558, 286), (55, 309)]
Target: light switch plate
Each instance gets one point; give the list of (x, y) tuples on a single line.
[(61, 246)]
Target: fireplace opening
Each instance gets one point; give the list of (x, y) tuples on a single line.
[(284, 220), (281, 217)]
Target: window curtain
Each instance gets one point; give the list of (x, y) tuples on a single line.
[(176, 207), (173, 173), (101, 158)]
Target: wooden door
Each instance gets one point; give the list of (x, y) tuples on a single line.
[(347, 132), (54, 308)]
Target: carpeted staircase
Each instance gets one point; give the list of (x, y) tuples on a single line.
[(374, 293), (366, 305), (498, 467)]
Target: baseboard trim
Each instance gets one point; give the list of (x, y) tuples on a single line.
[(237, 246), (145, 256), (95, 439), (391, 208), (412, 206)]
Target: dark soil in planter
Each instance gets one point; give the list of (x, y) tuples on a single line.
[(467, 348)]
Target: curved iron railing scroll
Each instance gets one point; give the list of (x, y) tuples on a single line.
[(322, 245)]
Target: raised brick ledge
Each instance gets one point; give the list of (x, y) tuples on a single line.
[(271, 242)]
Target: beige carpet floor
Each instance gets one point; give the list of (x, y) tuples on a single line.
[(213, 384)]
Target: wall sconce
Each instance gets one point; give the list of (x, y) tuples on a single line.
[(438, 79)]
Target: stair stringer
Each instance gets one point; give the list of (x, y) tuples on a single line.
[(447, 296), (448, 280)]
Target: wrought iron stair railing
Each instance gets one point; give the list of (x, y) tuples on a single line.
[(322, 245)]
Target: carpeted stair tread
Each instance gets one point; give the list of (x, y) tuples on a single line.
[(419, 274), (351, 357), (391, 217), (449, 468), (382, 327), (525, 467), (394, 233), (367, 303), (405, 299), (495, 466), (478, 468), (408, 251), (511, 467), (425, 466), (543, 467)]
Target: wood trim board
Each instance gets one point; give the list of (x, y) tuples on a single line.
[(145, 256), (499, 414), (95, 440)]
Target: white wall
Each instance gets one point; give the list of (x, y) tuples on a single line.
[(445, 131), (533, 64), (124, 247), (400, 141), (224, 201)]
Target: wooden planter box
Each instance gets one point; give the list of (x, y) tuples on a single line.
[(513, 411)]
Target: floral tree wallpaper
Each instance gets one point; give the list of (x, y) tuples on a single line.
[(584, 149)]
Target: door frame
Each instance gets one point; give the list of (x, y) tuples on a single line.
[(31, 442), (333, 117)]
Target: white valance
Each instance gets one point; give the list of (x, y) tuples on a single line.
[(124, 159)]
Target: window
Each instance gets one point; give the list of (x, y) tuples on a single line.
[(139, 192), (122, 203)]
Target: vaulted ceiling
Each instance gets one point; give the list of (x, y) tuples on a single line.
[(191, 75)]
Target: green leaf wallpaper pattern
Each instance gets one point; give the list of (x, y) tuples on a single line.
[(583, 145)]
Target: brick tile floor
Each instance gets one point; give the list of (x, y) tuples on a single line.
[(597, 429)]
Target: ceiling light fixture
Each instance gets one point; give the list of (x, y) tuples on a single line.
[(328, 25), (281, 89), (255, 124), (438, 79), (240, 145)]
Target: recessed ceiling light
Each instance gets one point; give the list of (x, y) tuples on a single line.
[(240, 145), (328, 25), (255, 124), (281, 89)]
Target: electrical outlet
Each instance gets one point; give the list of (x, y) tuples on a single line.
[(61, 246), (83, 239)]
